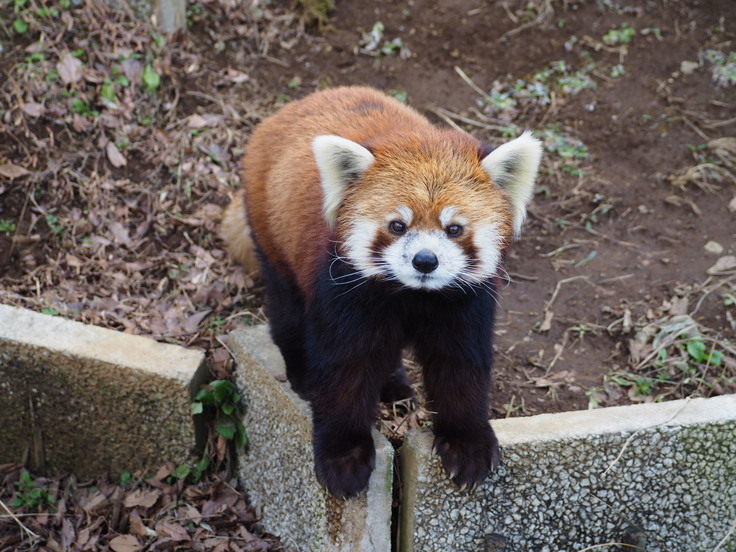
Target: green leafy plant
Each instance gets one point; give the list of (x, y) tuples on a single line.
[(622, 35), (30, 496), (20, 25), (702, 354), (126, 479), (53, 222), (85, 109), (398, 94), (192, 472), (151, 79), (724, 67), (221, 398), (315, 11), (7, 226)]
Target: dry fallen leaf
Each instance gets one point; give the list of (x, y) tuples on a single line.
[(11, 171), (136, 524), (196, 121), (724, 265), (141, 498), (235, 76), (114, 155), (125, 543), (173, 531), (69, 68), (33, 109), (95, 503)]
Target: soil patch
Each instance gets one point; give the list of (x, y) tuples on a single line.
[(120, 148)]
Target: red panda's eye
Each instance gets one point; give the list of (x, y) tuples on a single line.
[(397, 227), (454, 230)]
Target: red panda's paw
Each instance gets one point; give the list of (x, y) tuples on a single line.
[(468, 461), (344, 471)]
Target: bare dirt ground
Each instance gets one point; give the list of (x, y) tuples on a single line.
[(119, 147)]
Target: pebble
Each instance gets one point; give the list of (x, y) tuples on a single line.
[(688, 67), (713, 248)]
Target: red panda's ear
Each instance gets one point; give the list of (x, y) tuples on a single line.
[(340, 162), (513, 168)]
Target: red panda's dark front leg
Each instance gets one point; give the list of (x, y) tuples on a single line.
[(456, 360), (351, 354), (343, 411)]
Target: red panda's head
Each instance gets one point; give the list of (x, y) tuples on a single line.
[(430, 211)]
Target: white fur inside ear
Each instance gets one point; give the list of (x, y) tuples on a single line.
[(340, 162), (513, 168)]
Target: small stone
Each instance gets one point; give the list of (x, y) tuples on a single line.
[(688, 67), (713, 247)]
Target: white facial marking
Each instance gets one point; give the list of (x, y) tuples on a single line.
[(359, 248), (395, 261), (487, 240), (405, 215), (450, 257), (451, 215)]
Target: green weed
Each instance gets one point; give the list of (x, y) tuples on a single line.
[(53, 222), (315, 11), (222, 399), (7, 226), (700, 353), (398, 94), (32, 497), (151, 79), (724, 66), (622, 35), (191, 471)]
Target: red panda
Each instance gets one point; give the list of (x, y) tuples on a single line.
[(376, 231)]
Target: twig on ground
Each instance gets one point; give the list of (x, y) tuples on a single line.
[(546, 11), (557, 289), (33, 536)]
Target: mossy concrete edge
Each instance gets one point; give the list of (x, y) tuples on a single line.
[(90, 400), (277, 467)]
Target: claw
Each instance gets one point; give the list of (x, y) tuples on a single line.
[(452, 474), (463, 487)]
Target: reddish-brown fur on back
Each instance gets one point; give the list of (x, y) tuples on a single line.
[(424, 167)]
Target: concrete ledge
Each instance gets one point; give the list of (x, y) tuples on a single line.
[(90, 400), (658, 476), (278, 471), (167, 15)]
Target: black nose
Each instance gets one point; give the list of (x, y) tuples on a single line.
[(425, 261)]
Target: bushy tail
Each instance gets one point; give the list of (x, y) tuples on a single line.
[(235, 232)]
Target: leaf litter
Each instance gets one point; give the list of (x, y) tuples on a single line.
[(148, 512)]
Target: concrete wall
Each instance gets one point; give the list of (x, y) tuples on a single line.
[(166, 15), (89, 400), (277, 469), (658, 476)]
